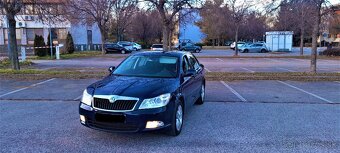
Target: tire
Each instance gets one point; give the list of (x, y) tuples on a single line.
[(177, 120), (197, 51), (200, 100), (246, 51), (123, 51), (263, 51)]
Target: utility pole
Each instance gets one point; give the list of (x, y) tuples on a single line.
[(51, 49)]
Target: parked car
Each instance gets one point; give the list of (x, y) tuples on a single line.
[(136, 46), (189, 47), (157, 47), (228, 43), (147, 91), (114, 47), (256, 47), (126, 44), (239, 44)]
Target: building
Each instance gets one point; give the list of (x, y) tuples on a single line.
[(86, 37), (331, 33)]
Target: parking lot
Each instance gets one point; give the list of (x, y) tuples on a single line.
[(238, 116), (250, 65)]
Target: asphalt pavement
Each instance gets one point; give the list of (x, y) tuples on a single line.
[(211, 64), (238, 116)]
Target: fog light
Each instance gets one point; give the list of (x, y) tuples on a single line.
[(154, 124), (82, 119)]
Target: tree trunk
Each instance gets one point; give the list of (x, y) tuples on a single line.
[(236, 40), (315, 35), (103, 40), (165, 37), (169, 39), (12, 41), (302, 36)]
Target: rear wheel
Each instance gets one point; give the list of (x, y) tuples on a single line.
[(197, 51), (200, 100), (263, 51), (177, 120), (123, 51), (246, 51)]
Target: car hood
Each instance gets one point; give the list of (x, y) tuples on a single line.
[(139, 87)]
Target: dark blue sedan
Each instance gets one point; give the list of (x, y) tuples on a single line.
[(147, 91)]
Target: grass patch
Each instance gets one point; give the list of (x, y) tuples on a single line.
[(69, 56), (6, 63), (269, 56), (297, 76), (33, 74)]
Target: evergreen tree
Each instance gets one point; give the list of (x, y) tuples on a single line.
[(69, 46), (49, 45), (39, 42)]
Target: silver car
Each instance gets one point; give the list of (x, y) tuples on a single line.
[(256, 47)]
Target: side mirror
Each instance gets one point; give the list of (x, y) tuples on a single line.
[(202, 66), (189, 73), (111, 68)]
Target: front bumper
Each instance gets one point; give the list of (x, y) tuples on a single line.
[(132, 121)]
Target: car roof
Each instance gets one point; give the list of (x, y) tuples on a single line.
[(160, 53)]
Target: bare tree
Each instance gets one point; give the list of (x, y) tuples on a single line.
[(215, 12), (239, 9), (93, 12), (11, 8), (123, 13), (147, 30), (168, 10)]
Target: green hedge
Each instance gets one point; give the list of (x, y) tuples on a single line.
[(331, 52)]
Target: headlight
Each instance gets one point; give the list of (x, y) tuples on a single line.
[(87, 98), (156, 102)]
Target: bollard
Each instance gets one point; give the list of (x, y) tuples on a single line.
[(57, 52), (23, 53)]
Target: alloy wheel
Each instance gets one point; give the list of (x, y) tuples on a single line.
[(179, 118), (202, 92)]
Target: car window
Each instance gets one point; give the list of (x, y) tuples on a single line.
[(194, 63), (185, 64), (157, 46)]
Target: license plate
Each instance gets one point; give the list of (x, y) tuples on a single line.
[(110, 118)]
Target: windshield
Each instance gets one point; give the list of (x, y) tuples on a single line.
[(148, 66)]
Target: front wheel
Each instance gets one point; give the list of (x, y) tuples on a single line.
[(123, 51), (177, 120)]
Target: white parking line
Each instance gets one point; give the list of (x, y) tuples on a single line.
[(337, 82), (234, 92), (33, 85), (316, 96), (248, 70), (286, 69), (207, 70), (219, 59)]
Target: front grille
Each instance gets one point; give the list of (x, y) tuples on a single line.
[(117, 105)]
